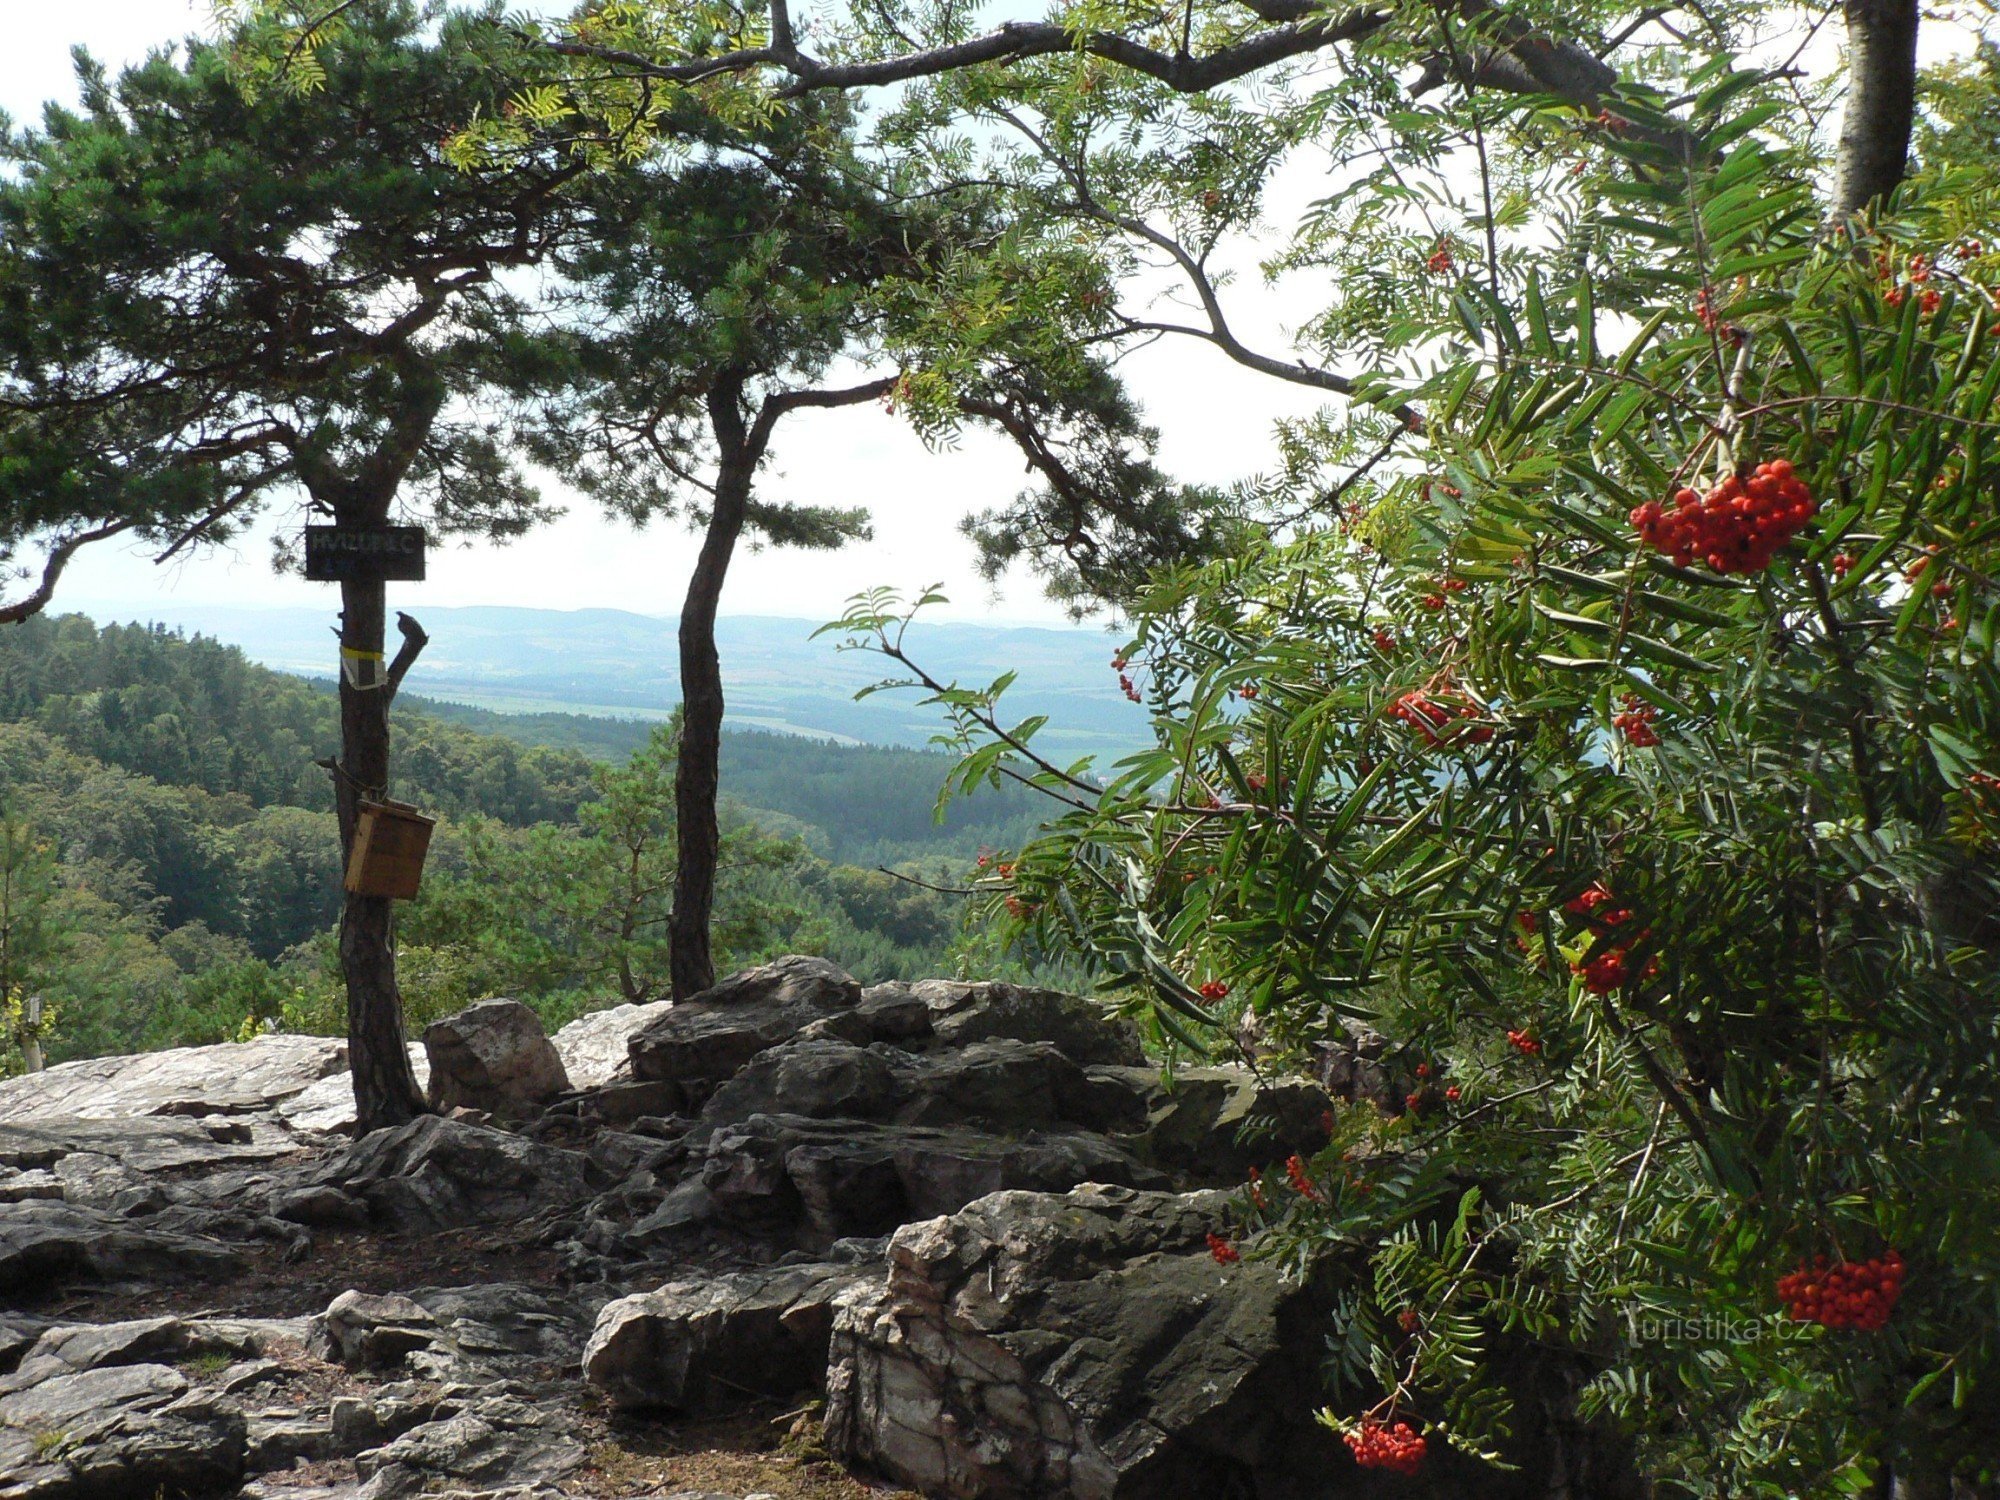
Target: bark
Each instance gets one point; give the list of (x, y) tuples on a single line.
[(385, 1088), (697, 774), (1881, 102)]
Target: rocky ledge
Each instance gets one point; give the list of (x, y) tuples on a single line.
[(954, 1233)]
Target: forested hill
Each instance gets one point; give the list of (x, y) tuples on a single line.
[(189, 712), (168, 849)]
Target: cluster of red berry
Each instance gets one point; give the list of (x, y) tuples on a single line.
[(1385, 642), (1921, 267), (1295, 1168), (1737, 528), (1636, 722), (1018, 908), (1585, 903), (1708, 313), (1399, 1449), (1606, 972), (1440, 261), (1213, 989), (1125, 684), (1852, 1294), (1225, 1253), (1248, 690), (1524, 1042), (1441, 717)]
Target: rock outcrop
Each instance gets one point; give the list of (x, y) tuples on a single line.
[(1084, 1346), (969, 1216)]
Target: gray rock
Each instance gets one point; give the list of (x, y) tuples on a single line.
[(1006, 1084), (493, 1056), (230, 1078), (118, 1434), (278, 1440), (1080, 1346), (495, 1442), (706, 1038), (17, 1186), (45, 1241), (595, 1049), (66, 1350), (820, 1078), (367, 1332), (719, 1342), (327, 1107), (322, 1206), (895, 1013), (439, 1174), (836, 1178), (492, 1330), (1084, 1032), (1214, 1124), (93, 1180), (159, 1144)]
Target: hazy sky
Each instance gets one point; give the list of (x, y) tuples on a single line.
[(1215, 419)]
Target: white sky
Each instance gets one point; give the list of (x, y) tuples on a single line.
[(1215, 419)]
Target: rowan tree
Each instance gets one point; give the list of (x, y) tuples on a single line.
[(216, 296)]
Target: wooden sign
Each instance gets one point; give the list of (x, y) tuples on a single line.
[(343, 554), (390, 842)]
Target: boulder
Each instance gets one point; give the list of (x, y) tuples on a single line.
[(494, 1330), (707, 1037), (832, 1179), (367, 1332), (70, 1348), (493, 1056), (492, 1441), (596, 1049), (436, 1174), (1081, 1030), (709, 1344), (43, 1241), (1006, 1084), (1213, 1124), (1082, 1346), (117, 1434)]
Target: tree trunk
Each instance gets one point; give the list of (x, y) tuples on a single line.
[(385, 1088), (697, 774), (1881, 102)]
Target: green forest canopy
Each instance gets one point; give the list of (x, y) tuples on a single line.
[(172, 786)]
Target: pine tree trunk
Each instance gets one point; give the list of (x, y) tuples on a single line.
[(1881, 102), (385, 1088), (697, 774)]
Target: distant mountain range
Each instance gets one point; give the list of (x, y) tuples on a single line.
[(612, 663)]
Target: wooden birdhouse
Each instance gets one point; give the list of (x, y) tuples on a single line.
[(390, 842)]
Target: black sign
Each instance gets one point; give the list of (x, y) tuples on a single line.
[(340, 554)]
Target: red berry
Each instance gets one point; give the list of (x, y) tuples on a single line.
[(1737, 528), (1399, 1449), (1225, 1253)]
